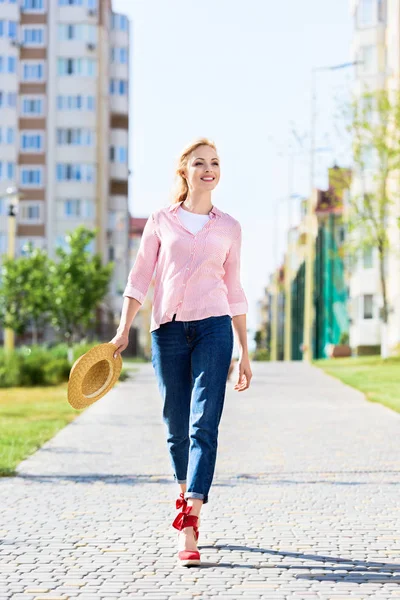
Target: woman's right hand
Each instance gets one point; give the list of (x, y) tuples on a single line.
[(121, 340)]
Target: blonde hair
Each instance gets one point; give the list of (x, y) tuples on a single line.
[(181, 189)]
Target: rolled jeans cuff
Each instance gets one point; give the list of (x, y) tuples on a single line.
[(197, 496)]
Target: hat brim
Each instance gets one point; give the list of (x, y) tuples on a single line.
[(93, 375)]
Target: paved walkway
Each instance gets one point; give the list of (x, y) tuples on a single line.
[(305, 502)]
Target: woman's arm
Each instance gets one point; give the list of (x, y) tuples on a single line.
[(138, 283), (245, 373), (130, 308), (239, 307)]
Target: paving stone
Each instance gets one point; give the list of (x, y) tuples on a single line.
[(304, 502)]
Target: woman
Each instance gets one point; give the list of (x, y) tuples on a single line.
[(197, 297)]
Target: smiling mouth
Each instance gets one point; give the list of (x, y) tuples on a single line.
[(207, 178)]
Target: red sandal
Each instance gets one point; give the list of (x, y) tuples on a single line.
[(182, 520), (181, 502)]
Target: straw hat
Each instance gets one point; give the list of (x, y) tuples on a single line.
[(93, 375)]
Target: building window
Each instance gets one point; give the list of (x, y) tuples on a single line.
[(32, 5), (72, 207), (75, 137), (32, 141), (77, 66), (30, 212), (368, 301), (368, 60), (368, 257), (118, 87), (12, 30), (119, 55), (11, 64), (31, 176), (33, 36), (70, 2), (90, 102), (7, 171), (77, 31), (118, 154), (78, 208), (119, 22), (11, 99), (23, 244), (75, 172), (10, 135), (367, 13), (382, 11), (32, 105), (32, 71)]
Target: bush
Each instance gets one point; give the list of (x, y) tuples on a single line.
[(344, 338), (261, 354), (9, 370), (30, 366), (40, 367)]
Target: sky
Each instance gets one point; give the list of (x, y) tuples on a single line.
[(238, 73)]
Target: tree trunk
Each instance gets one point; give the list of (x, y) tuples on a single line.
[(34, 333), (385, 311)]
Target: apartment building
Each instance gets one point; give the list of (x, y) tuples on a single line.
[(64, 120), (376, 45)]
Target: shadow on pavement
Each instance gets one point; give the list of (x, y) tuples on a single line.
[(358, 571)]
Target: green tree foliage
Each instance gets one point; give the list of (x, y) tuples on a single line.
[(79, 282), (374, 126), (25, 292)]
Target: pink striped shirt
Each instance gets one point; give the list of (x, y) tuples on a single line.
[(197, 275)]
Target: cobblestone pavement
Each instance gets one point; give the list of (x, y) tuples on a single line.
[(304, 504)]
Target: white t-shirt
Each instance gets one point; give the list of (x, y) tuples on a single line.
[(192, 221)]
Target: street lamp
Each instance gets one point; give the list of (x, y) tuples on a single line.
[(12, 195), (310, 226), (288, 282)]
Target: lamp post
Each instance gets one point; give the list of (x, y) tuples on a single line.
[(288, 282), (13, 196), (310, 217)]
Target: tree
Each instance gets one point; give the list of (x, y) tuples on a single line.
[(374, 126), (25, 293), (79, 282)]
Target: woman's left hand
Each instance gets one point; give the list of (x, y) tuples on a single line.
[(245, 374)]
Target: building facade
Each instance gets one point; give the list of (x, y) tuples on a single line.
[(64, 125), (376, 44)]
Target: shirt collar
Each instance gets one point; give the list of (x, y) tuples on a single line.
[(175, 205)]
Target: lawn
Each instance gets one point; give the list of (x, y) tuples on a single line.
[(29, 416), (378, 379)]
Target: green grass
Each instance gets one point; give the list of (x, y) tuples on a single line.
[(28, 418), (378, 379)]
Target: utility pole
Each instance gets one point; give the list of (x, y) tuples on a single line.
[(13, 196), (275, 288), (287, 353)]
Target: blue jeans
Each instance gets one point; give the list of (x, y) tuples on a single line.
[(191, 360)]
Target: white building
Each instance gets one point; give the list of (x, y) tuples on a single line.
[(64, 106), (377, 44)]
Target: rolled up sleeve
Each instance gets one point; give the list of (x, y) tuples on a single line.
[(142, 271), (236, 297)]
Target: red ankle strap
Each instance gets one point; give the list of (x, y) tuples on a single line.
[(184, 519), (181, 501)]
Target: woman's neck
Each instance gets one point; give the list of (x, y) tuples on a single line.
[(201, 205)]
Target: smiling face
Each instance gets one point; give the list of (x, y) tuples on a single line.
[(203, 170)]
